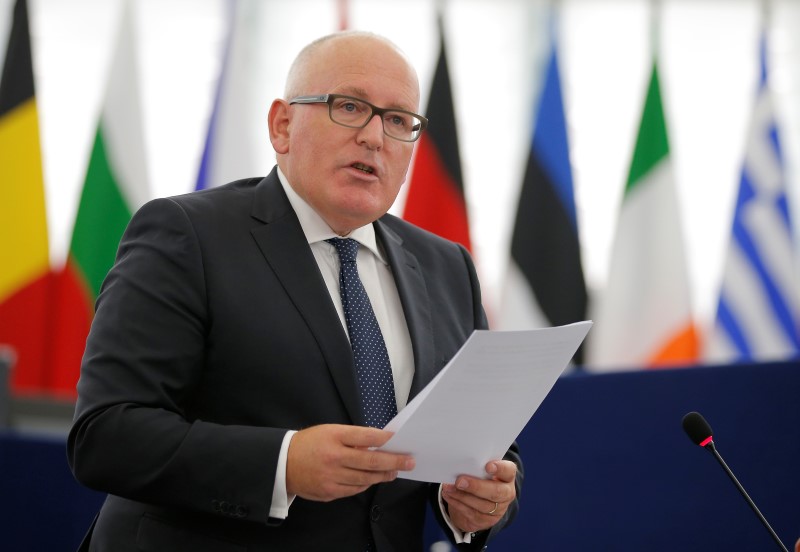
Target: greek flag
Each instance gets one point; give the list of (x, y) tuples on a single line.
[(758, 315)]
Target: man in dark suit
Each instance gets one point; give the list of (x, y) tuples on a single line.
[(218, 401)]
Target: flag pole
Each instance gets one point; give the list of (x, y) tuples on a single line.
[(343, 8)]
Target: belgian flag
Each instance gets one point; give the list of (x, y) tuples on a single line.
[(24, 255)]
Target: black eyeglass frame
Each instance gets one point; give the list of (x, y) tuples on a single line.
[(380, 111)]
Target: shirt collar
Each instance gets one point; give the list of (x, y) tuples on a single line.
[(317, 230)]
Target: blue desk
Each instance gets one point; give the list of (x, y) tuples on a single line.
[(42, 508), (608, 468)]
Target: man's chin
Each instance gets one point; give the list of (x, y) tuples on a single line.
[(352, 217)]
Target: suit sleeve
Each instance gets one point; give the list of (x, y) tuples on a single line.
[(134, 433)]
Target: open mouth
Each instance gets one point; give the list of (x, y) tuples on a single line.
[(364, 168)]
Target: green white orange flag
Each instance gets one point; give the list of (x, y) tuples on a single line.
[(116, 185), (24, 255), (644, 316)]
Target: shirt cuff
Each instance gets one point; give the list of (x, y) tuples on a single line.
[(279, 507), (459, 536)]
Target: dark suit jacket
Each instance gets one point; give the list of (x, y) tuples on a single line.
[(214, 334)]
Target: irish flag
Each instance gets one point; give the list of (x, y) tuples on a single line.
[(644, 317), (116, 185), (24, 255)]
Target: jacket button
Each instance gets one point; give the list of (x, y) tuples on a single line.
[(376, 513)]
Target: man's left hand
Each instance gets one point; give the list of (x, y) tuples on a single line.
[(475, 504)]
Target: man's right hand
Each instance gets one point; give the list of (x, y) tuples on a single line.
[(327, 462)]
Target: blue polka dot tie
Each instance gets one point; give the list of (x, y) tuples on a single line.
[(373, 369)]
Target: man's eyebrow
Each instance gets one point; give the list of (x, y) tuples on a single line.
[(361, 93), (356, 91)]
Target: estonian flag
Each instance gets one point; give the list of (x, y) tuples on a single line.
[(545, 284)]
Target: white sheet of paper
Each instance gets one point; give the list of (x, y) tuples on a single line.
[(476, 406)]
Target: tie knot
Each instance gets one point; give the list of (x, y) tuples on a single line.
[(346, 247)]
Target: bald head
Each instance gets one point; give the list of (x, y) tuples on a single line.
[(349, 175), (330, 49)]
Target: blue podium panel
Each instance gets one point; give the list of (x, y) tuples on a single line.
[(609, 467), (43, 508)]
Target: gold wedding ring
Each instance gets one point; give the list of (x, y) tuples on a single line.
[(493, 510)]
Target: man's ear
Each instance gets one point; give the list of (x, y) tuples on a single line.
[(278, 120)]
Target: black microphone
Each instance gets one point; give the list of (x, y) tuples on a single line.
[(698, 430)]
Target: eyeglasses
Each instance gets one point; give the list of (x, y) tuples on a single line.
[(357, 113)]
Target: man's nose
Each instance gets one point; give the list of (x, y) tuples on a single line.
[(372, 134)]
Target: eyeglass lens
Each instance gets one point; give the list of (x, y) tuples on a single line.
[(354, 113)]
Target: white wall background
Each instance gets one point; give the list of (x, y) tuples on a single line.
[(708, 63)]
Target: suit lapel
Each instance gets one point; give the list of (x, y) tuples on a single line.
[(416, 305), (284, 246)]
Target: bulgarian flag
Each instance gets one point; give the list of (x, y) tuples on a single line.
[(644, 317), (435, 199), (115, 186), (24, 255)]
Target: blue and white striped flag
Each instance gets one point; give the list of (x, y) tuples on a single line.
[(758, 315)]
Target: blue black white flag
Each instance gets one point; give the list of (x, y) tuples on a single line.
[(545, 284)]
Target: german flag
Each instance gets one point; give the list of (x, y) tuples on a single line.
[(435, 199), (24, 255)]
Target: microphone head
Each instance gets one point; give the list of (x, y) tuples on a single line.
[(697, 428)]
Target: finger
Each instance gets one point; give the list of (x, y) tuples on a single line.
[(479, 505), (378, 461), (502, 470), (364, 478), (364, 437), (486, 489), (362, 442)]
